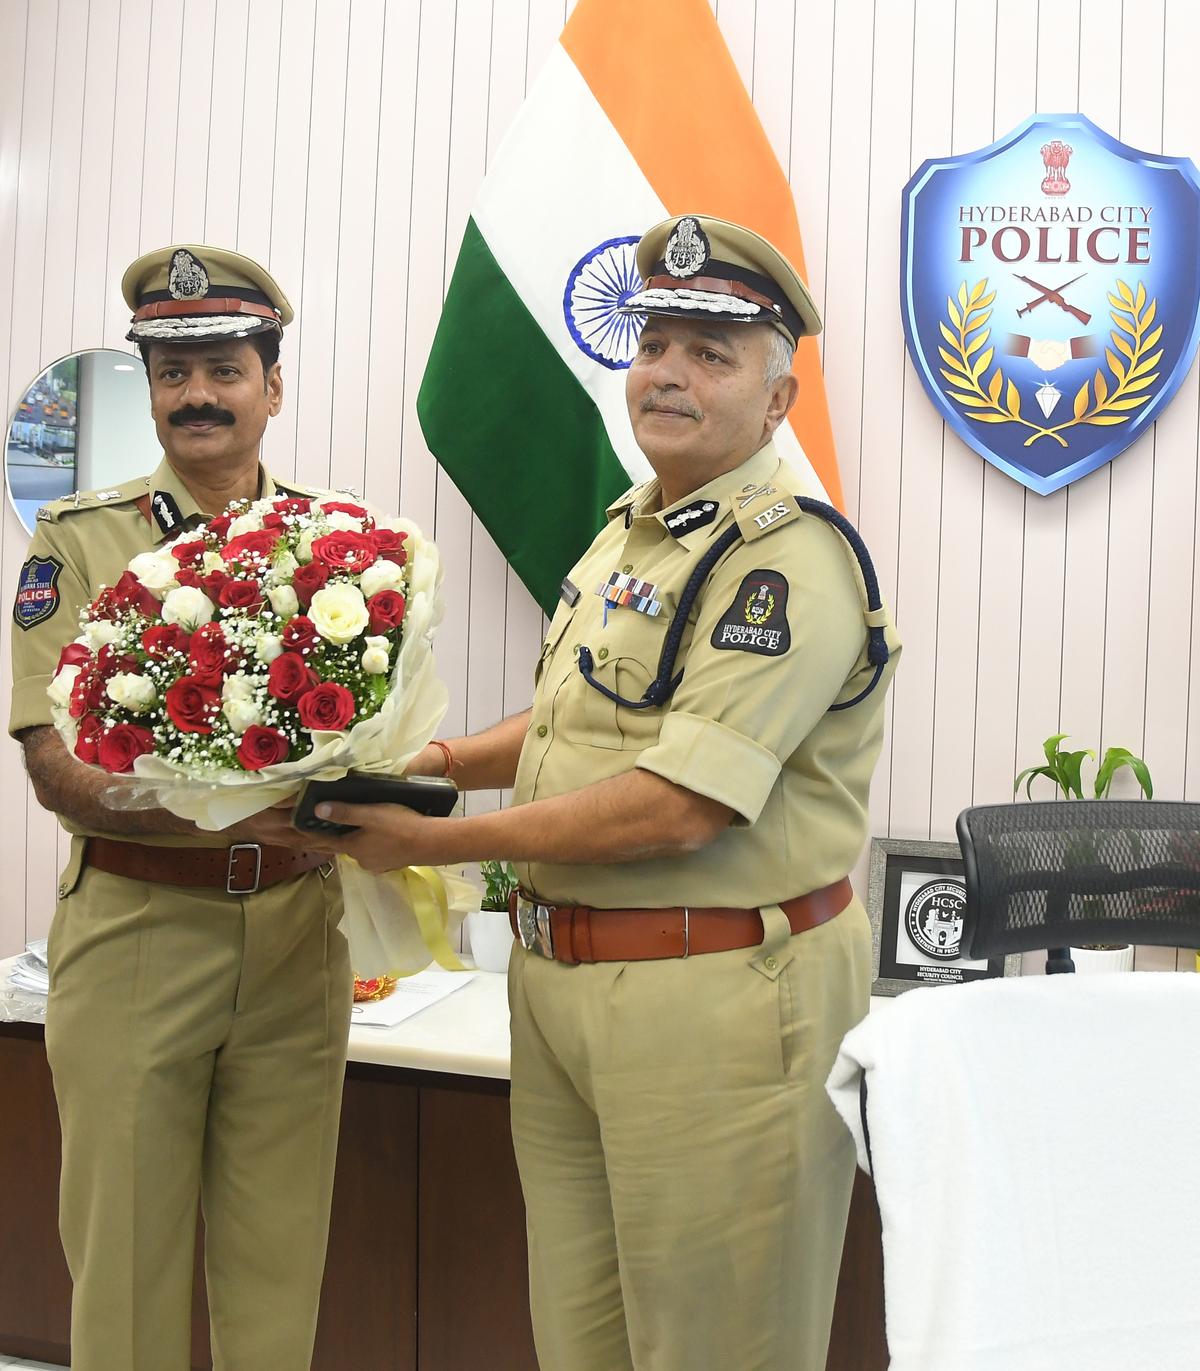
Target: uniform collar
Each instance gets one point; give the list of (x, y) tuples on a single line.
[(167, 480), (725, 491)]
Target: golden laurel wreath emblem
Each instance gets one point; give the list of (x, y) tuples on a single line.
[(767, 611), (1098, 401)]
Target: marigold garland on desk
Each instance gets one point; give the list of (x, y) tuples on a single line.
[(370, 988), (228, 648)]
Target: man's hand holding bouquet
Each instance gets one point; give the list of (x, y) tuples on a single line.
[(287, 639)]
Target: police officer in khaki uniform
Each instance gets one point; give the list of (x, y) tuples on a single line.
[(200, 989), (690, 792)]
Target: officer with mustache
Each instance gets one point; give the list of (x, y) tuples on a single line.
[(199, 988)]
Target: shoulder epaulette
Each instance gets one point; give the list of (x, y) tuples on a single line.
[(624, 502), (767, 509), (92, 499)]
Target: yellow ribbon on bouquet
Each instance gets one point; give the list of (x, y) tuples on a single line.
[(397, 921), (427, 893)]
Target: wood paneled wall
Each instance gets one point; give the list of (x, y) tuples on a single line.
[(342, 142)]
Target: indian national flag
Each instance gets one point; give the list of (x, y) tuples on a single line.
[(639, 114)]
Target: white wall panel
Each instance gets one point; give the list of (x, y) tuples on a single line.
[(342, 142)]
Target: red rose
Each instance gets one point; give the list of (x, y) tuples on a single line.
[(87, 743), (343, 551), (190, 554), (164, 638), (389, 545), (74, 654), (105, 605), (262, 747), (87, 693), (109, 662), (121, 745), (129, 593), (328, 707), (274, 521), (386, 610), (244, 595), (219, 527), (193, 704), (210, 655), (251, 548), (292, 506), (355, 511), (288, 678), (307, 580), (212, 583), (189, 576), (300, 633)]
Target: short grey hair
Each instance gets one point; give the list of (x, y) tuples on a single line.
[(779, 357)]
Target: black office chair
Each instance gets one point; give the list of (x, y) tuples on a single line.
[(1062, 873)]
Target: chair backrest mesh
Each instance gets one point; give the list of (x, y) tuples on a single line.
[(1064, 873)]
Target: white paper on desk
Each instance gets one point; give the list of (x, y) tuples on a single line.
[(411, 995)]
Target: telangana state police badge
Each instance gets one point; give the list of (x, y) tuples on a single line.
[(1050, 293)]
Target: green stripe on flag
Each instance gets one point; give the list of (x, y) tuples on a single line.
[(513, 427)]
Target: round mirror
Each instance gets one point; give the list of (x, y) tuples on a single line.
[(84, 424)]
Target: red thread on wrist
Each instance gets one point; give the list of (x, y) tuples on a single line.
[(443, 748)]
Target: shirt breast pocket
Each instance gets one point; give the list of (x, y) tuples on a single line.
[(624, 663)]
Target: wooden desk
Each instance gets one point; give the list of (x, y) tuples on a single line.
[(427, 1250)]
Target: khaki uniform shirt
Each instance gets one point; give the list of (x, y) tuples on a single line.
[(80, 545), (776, 635)]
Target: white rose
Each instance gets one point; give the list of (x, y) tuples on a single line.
[(284, 601), (156, 571), (347, 523), (213, 561), (282, 568), (245, 523), (304, 545), (241, 714), (100, 632), (188, 607), (376, 658), (268, 646), (131, 692), (339, 613), (237, 687), (59, 689), (382, 575)]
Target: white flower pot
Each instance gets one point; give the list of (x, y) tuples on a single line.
[(1088, 959), (491, 938)]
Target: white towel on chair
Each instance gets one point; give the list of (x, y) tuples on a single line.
[(1036, 1151)]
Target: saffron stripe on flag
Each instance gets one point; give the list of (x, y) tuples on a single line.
[(542, 507), (730, 170)]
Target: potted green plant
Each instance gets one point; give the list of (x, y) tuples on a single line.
[(1064, 770), (488, 929)]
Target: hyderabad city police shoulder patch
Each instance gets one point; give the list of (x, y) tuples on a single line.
[(37, 591), (756, 621)]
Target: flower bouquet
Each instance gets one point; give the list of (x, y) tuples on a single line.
[(285, 640)]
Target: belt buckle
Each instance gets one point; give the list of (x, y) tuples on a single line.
[(534, 927), (252, 889)]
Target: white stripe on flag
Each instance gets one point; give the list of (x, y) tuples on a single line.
[(561, 183)]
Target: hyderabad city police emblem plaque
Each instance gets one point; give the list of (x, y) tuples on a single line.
[(1050, 293)]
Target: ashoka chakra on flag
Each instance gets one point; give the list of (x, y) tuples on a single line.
[(600, 281)]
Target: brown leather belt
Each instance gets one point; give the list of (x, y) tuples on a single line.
[(240, 869), (573, 934)]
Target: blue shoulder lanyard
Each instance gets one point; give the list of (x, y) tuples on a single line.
[(664, 685)]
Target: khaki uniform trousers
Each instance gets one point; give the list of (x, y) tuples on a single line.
[(198, 1046), (686, 1179)]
